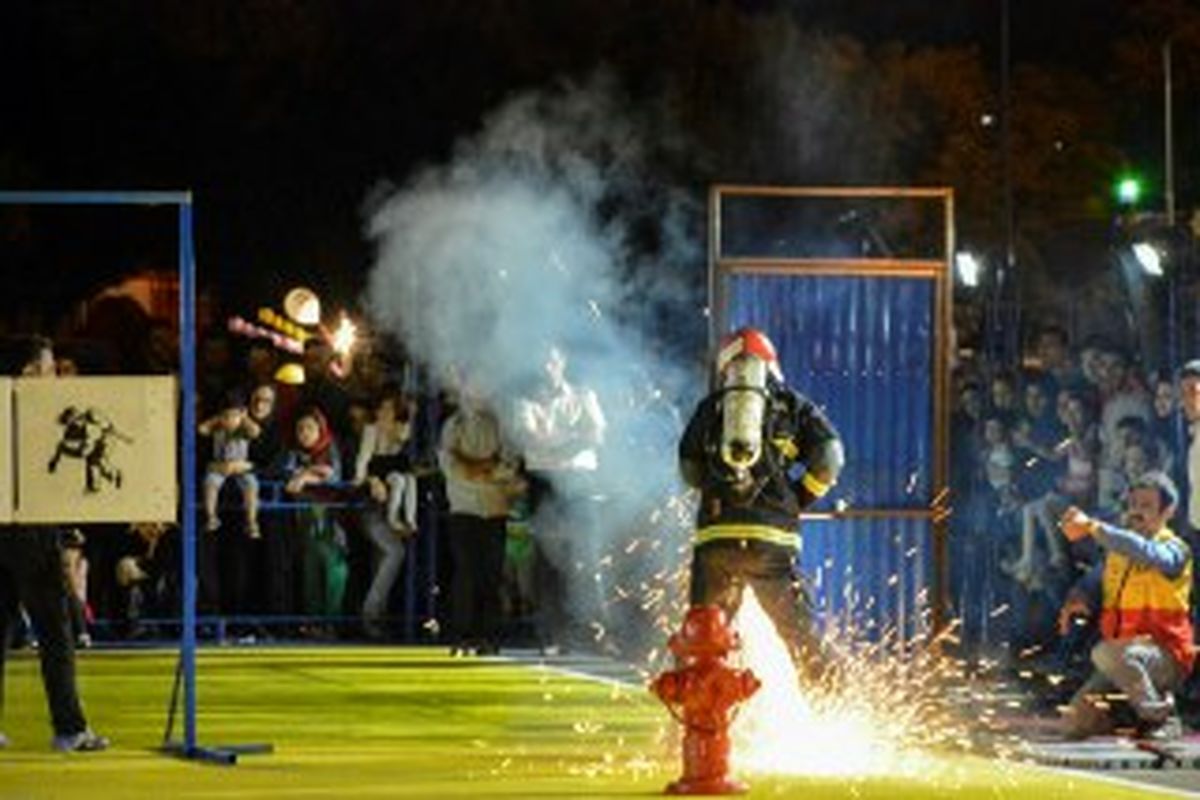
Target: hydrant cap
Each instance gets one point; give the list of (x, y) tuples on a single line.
[(705, 631)]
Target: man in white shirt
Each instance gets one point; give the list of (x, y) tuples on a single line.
[(560, 428)]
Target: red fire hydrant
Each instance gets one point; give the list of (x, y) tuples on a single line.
[(701, 692)]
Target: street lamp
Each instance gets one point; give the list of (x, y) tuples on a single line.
[(1128, 191), (1149, 257), (968, 267)]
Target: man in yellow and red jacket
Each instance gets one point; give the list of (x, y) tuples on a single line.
[(1147, 645)]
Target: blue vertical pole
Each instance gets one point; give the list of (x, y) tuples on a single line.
[(187, 433)]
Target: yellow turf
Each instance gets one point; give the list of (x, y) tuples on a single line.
[(406, 722)]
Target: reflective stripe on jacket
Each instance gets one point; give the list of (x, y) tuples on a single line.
[(761, 533)]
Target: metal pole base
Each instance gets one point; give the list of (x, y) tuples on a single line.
[(226, 755)]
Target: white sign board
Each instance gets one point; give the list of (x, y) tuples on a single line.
[(95, 449)]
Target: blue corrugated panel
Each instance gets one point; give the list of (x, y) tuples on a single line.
[(869, 574), (862, 348)]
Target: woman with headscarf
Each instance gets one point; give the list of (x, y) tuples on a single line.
[(312, 466)]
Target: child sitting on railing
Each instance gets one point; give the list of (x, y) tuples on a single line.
[(231, 432)]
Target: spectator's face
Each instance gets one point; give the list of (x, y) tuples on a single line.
[(1127, 436), (993, 432), (1052, 351), (262, 402), (232, 418), (1035, 400), (1164, 399), (1135, 461), (308, 432), (1089, 363), (1075, 417), (66, 367), (1022, 433), (1113, 370), (385, 412), (971, 403), (470, 394), (1144, 511), (1004, 396), (1189, 397)]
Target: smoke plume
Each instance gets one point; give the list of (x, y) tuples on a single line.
[(553, 225)]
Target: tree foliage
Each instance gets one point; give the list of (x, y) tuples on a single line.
[(283, 113)]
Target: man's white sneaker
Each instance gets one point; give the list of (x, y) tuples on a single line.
[(87, 741)]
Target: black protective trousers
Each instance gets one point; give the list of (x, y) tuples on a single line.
[(31, 574), (477, 548), (722, 570)]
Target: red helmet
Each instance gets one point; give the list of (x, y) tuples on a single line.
[(748, 341)]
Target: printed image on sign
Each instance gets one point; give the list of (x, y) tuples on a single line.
[(6, 461), (95, 449)]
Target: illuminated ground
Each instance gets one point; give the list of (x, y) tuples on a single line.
[(357, 722)]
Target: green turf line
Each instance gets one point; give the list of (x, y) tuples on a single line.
[(406, 722)]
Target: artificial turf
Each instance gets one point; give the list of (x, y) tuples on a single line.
[(408, 722)]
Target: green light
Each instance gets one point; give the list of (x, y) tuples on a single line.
[(1129, 191)]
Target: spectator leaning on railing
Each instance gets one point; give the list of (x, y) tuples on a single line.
[(311, 466)]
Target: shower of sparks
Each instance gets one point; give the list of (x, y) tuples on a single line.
[(783, 731), (898, 701), (895, 705)]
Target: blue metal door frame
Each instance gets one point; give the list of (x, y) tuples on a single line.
[(873, 348)]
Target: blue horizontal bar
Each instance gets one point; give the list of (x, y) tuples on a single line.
[(96, 198)]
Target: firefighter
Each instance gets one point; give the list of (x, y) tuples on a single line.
[(760, 453)]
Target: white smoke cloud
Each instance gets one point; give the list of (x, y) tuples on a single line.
[(552, 225)]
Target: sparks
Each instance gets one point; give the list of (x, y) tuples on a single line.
[(782, 731)]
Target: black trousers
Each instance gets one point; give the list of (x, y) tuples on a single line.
[(281, 553), (31, 574), (477, 547), (722, 570), (565, 522)]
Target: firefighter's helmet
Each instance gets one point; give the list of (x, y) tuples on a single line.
[(748, 341)]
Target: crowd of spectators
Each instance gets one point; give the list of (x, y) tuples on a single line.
[(318, 481), (278, 481), (1069, 426)]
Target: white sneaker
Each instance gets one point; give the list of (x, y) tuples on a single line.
[(1165, 731), (86, 741)]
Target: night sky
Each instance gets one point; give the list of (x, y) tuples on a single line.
[(283, 116)]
